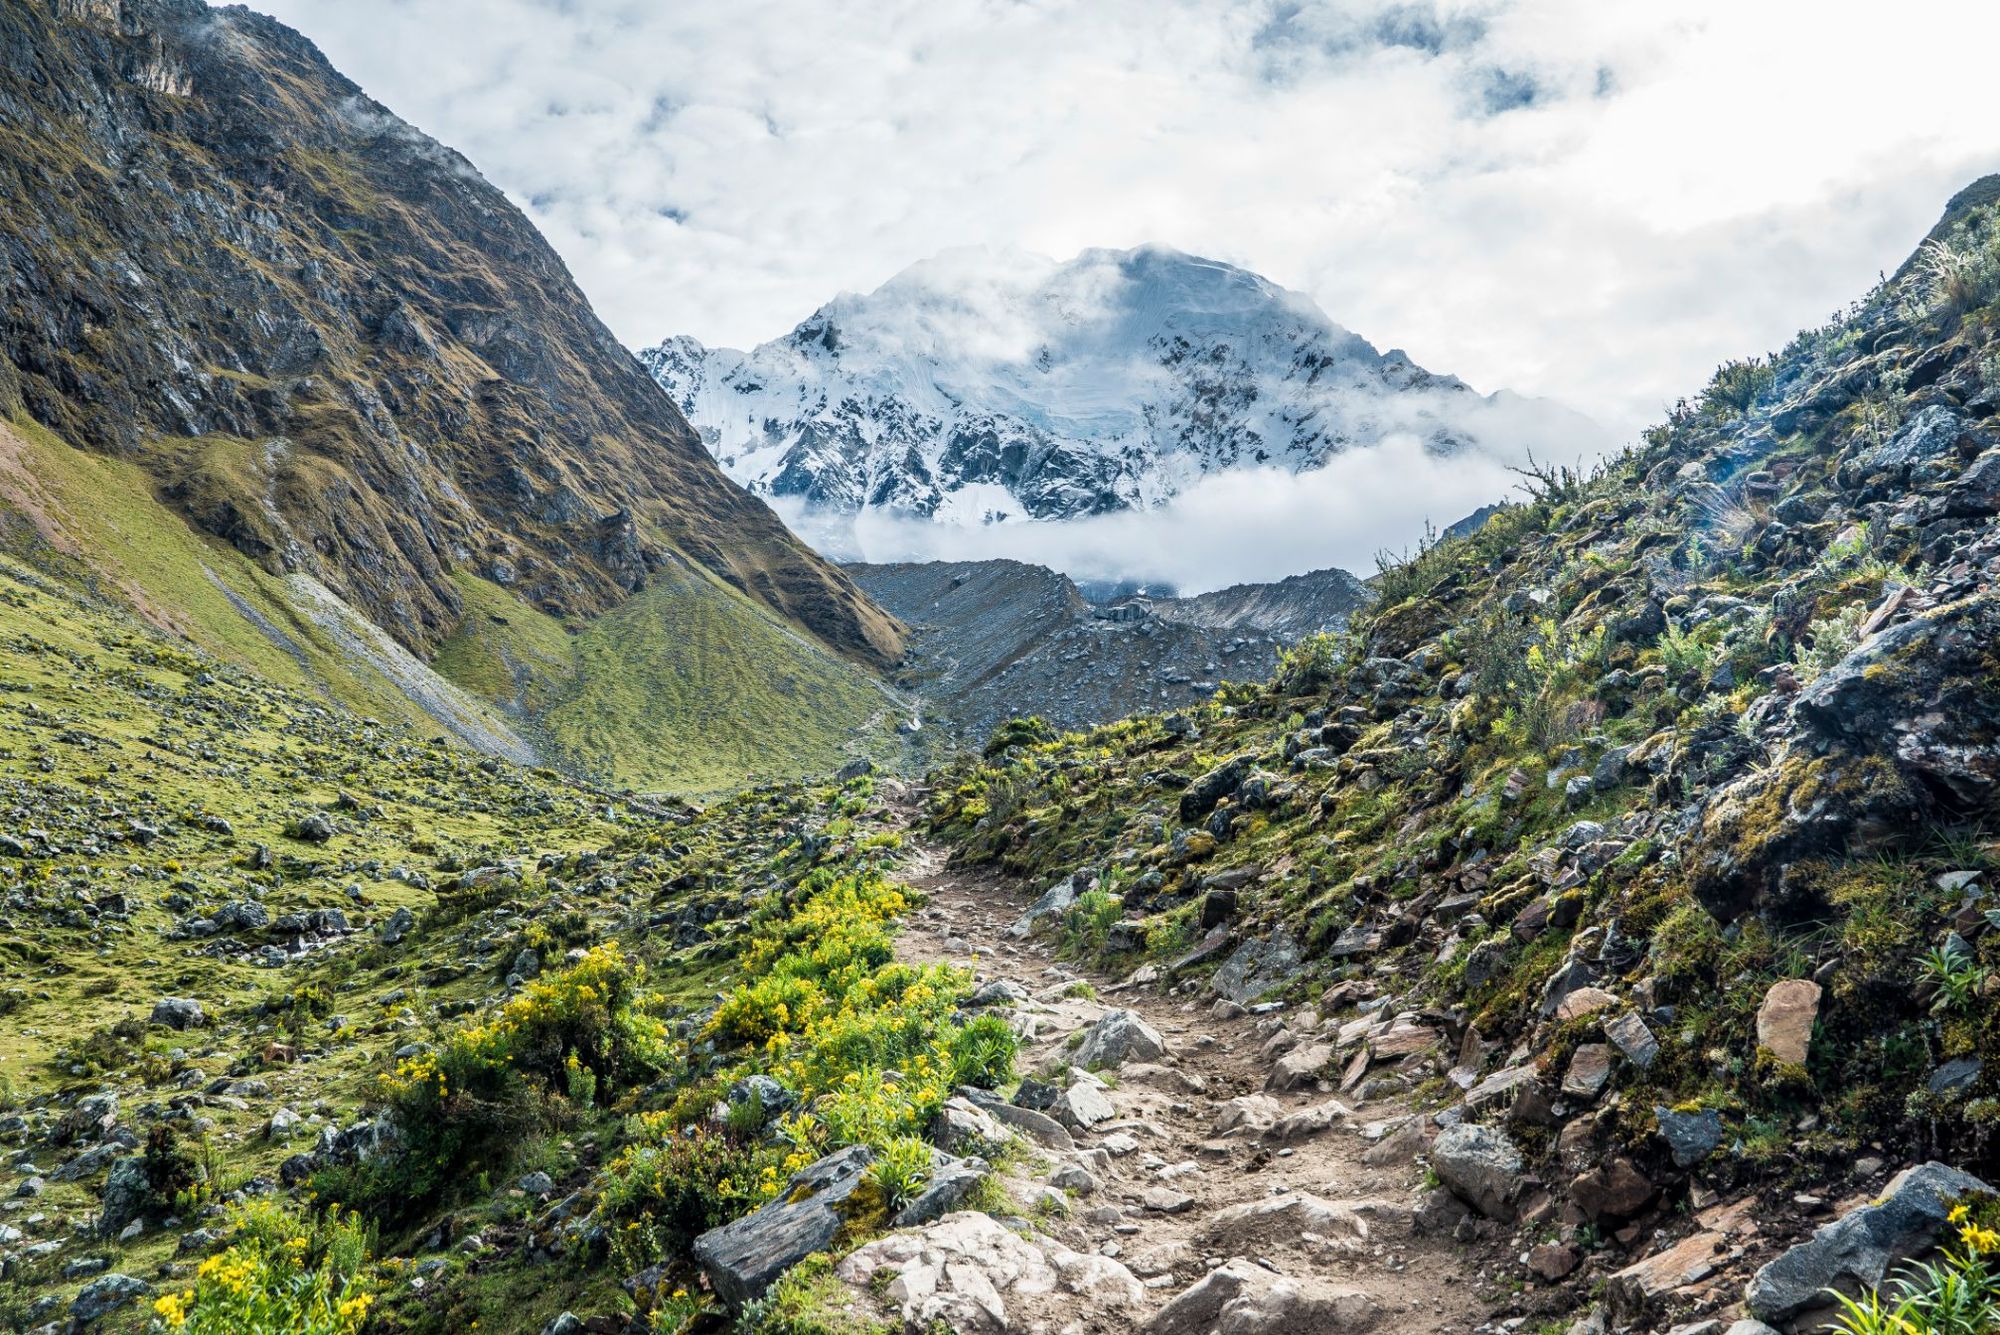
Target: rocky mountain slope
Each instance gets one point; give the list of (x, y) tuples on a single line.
[(1647, 833), (974, 388), (991, 640), (269, 306)]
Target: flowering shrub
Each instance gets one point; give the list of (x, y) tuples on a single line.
[(866, 1045), (572, 1037), (280, 1275)]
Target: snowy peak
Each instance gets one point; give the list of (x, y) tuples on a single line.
[(985, 385)]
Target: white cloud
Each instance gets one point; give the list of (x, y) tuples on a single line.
[(1591, 201), (1242, 526)]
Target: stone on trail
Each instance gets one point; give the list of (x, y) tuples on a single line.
[(1054, 902), (1118, 1037), (1309, 1122), (1252, 1113), (1256, 1227), (1083, 1105), (1301, 1068), (745, 1256), (1242, 1298), (1481, 1166), (1857, 1250)]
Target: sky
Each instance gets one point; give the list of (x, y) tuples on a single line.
[(1594, 200)]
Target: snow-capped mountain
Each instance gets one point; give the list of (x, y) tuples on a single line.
[(977, 386)]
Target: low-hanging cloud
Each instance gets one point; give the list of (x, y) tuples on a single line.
[(1244, 525)]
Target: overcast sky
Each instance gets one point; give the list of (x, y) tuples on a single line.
[(1595, 200)]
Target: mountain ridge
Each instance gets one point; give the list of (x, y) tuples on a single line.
[(978, 386)]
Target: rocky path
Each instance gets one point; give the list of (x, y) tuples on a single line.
[(1193, 1184)]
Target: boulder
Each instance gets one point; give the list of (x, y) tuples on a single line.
[(105, 1295), (1257, 967), (1615, 1189), (745, 1256), (1083, 1105), (965, 1128), (178, 1013), (1857, 1250), (126, 1190), (397, 927), (1242, 1298), (1481, 1166), (1044, 1129), (1118, 1037), (951, 1184), (1200, 797), (1053, 903)]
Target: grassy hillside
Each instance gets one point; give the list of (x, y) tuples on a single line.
[(687, 686), (94, 522), (328, 903)]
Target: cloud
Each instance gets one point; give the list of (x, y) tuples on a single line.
[(1241, 526), (1594, 202)]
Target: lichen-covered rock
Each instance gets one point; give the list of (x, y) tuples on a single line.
[(1857, 1250), (744, 1257)]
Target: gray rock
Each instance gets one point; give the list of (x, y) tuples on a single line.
[(1691, 1136), (1240, 1297), (745, 1256), (126, 1190), (1118, 1037), (564, 1323), (965, 1128), (1481, 1166), (1634, 1039), (178, 1013), (537, 1184), (106, 1294), (399, 925), (1257, 967), (1748, 1326), (1200, 797), (1083, 1105), (951, 1184), (1044, 1129), (1856, 1251), (1054, 902)]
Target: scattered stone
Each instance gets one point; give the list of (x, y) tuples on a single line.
[(1242, 1298), (106, 1294), (1634, 1039), (1692, 1136), (178, 1013), (1481, 1166), (1118, 1037), (1589, 1071), (1785, 1020)]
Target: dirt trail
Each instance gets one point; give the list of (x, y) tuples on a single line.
[(1164, 1143)]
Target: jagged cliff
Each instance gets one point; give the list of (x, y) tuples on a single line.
[(326, 339)]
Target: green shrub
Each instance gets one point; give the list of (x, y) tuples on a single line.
[(983, 1052), (280, 1273), (662, 1193), (901, 1171)]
